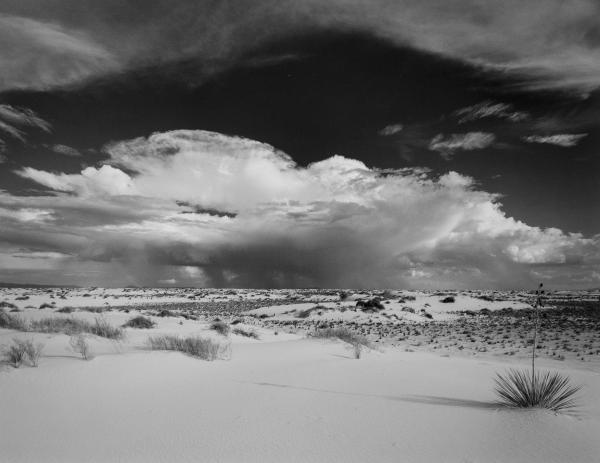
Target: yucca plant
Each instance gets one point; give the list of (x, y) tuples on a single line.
[(520, 389)]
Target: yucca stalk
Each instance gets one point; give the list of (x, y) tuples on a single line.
[(539, 301)]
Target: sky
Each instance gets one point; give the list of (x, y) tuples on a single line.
[(279, 143)]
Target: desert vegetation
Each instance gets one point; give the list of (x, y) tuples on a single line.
[(140, 322), (202, 348), (357, 341), (21, 350)]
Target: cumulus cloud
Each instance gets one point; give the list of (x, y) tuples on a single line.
[(487, 109), (154, 212), (566, 140), (447, 146), (551, 43)]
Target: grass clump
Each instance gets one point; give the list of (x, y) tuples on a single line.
[(357, 341), (205, 349), (246, 333), (72, 326), (139, 322), (12, 322), (550, 391), (220, 327)]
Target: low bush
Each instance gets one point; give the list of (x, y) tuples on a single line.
[(79, 344), (32, 351), (8, 305), (139, 322), (205, 349), (15, 354), (355, 340), (66, 310), (521, 389), (246, 333), (221, 328), (21, 350), (164, 313)]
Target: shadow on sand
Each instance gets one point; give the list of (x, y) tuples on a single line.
[(417, 399)]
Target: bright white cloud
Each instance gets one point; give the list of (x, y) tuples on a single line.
[(334, 223), (446, 146), (566, 140)]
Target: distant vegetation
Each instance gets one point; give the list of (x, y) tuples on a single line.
[(139, 322)]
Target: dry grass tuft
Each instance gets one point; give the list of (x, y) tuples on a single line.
[(205, 349)]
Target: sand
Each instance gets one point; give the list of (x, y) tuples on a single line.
[(282, 398)]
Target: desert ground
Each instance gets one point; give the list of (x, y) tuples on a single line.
[(274, 390)]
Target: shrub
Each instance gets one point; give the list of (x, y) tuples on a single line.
[(356, 341), (221, 328), (205, 349), (246, 333), (8, 305), (66, 310), (306, 313), (93, 309), (164, 313), (16, 353), (32, 351), (12, 322), (521, 389), (80, 345), (139, 322)]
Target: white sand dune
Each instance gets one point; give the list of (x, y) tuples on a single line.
[(295, 400)]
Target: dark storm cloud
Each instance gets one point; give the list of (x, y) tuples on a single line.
[(553, 43)]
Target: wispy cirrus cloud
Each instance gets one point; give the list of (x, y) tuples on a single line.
[(549, 43), (15, 121), (487, 109), (38, 54), (448, 145), (391, 129), (566, 140), (206, 208)]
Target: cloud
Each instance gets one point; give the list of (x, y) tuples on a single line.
[(549, 43), (487, 109), (446, 146), (38, 55), (566, 140), (333, 223), (391, 129), (64, 150), (14, 121)]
